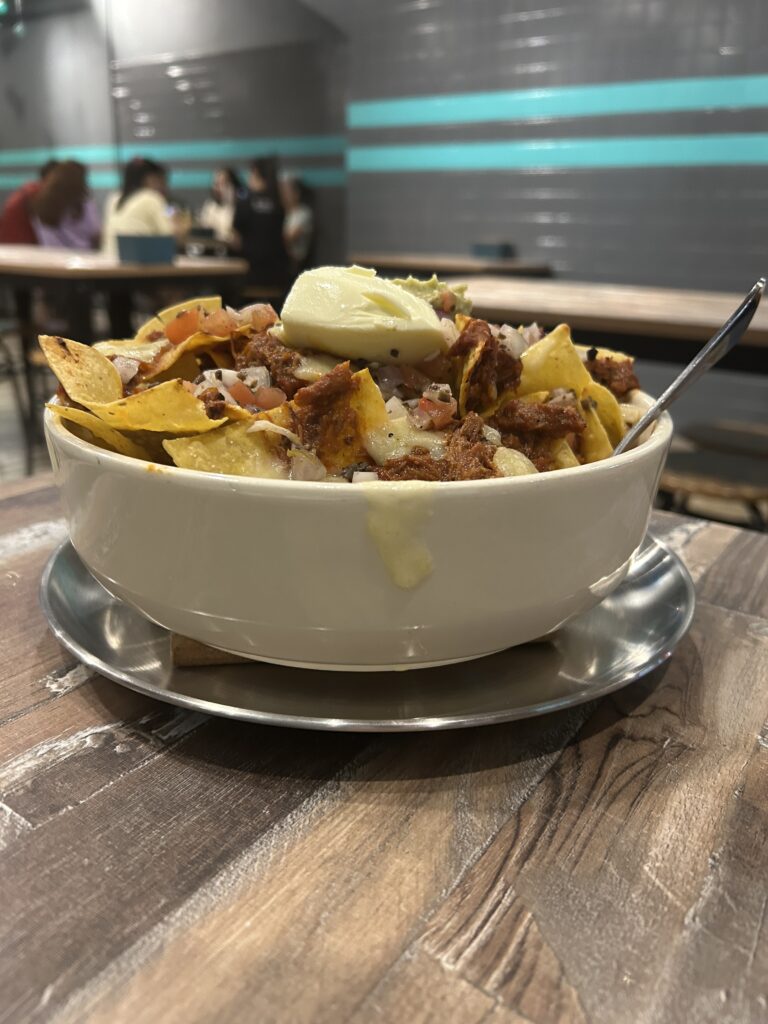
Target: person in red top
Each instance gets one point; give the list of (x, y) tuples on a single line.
[(16, 216)]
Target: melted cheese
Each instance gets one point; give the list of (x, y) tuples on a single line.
[(397, 513)]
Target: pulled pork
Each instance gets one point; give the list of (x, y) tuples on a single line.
[(530, 427), (618, 375), (468, 456), (495, 371), (264, 350)]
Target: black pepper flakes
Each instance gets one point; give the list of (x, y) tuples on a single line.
[(592, 353), (394, 352)]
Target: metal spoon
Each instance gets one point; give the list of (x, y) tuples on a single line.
[(722, 343)]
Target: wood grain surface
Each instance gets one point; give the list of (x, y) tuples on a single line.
[(426, 264), (42, 262), (605, 864), (623, 309)]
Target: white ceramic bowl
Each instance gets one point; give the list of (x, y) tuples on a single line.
[(300, 574)]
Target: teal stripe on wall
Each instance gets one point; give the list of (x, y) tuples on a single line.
[(219, 149), (104, 178), (662, 96), (652, 151)]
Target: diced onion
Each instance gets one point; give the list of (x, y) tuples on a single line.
[(254, 377), (512, 340), (492, 435), (532, 333), (364, 476), (395, 408), (273, 428), (630, 413), (306, 466), (508, 462), (450, 331), (127, 368)]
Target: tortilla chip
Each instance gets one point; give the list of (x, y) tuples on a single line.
[(509, 462), (208, 303), (101, 434), (231, 449), (171, 356), (185, 367), (168, 407), (563, 455), (86, 375), (595, 444), (133, 348), (554, 362), (339, 435), (152, 330), (602, 353), (220, 356), (465, 376)]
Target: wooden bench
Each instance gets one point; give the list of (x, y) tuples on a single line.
[(741, 479)]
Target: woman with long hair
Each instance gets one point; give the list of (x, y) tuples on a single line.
[(141, 206), (218, 211)]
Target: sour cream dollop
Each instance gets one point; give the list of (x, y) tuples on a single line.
[(353, 313)]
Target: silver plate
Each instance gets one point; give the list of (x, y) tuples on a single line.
[(629, 634)]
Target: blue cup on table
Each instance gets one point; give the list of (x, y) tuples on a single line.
[(146, 248)]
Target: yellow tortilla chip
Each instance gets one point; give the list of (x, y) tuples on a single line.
[(563, 455), (168, 408), (86, 375), (220, 356), (232, 449), (185, 367), (595, 444), (339, 435), (473, 358), (602, 353), (132, 348), (171, 356), (102, 435), (554, 362), (156, 325)]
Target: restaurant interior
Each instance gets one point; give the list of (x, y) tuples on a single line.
[(383, 511), (598, 163)]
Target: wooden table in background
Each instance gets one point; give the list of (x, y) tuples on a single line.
[(426, 264), (23, 267), (604, 864), (656, 322)]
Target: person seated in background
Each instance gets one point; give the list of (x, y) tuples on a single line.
[(218, 211), (141, 207), (299, 223), (16, 227), (64, 213), (258, 226)]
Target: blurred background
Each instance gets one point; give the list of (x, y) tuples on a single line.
[(597, 161)]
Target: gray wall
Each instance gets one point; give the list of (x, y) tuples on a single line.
[(277, 67), (54, 83), (677, 226)]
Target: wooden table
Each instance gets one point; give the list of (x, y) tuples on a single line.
[(23, 267), (426, 264), (604, 864), (665, 323), (38, 264)]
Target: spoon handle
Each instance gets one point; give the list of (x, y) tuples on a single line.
[(718, 346)]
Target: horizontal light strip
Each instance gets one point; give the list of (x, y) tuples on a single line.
[(661, 96), (219, 149), (650, 151)]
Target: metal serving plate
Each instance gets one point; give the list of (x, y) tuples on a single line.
[(630, 633)]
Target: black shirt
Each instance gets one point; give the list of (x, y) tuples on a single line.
[(259, 222)]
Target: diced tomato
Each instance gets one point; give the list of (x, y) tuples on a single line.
[(220, 323), (182, 326), (269, 398), (242, 394), (262, 316), (441, 413)]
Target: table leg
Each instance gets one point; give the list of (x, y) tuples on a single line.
[(23, 301)]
